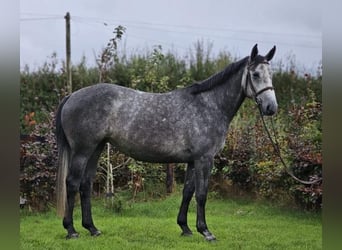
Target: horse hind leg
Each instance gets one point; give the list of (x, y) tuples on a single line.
[(188, 191), (202, 173), (73, 180), (85, 191)]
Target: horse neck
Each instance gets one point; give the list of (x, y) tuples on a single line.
[(229, 95)]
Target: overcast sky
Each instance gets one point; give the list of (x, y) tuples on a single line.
[(294, 26)]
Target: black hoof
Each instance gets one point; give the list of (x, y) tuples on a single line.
[(72, 236), (186, 230), (186, 234), (95, 233)]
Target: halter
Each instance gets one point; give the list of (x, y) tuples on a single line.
[(249, 80)]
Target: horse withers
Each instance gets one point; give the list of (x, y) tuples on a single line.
[(187, 125)]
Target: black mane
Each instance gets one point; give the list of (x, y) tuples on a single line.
[(218, 78)]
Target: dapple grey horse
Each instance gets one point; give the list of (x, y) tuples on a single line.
[(187, 125)]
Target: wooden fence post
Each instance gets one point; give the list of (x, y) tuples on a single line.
[(68, 52), (170, 170)]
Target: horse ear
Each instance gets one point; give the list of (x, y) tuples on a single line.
[(254, 52), (270, 54)]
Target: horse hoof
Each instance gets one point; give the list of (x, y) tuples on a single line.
[(210, 238), (186, 234), (72, 236), (96, 233)]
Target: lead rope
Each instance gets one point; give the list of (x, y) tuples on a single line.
[(276, 147)]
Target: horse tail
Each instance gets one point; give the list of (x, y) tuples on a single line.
[(63, 161)]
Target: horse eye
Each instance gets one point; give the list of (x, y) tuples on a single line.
[(256, 75)]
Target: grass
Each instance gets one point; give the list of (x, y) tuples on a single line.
[(152, 225)]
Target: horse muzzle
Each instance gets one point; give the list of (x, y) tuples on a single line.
[(268, 108)]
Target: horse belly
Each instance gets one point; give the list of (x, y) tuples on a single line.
[(151, 148)]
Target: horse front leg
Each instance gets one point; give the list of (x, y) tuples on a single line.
[(202, 173), (188, 191)]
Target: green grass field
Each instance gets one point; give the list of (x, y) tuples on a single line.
[(152, 225)]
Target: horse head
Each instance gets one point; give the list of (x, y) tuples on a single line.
[(257, 81)]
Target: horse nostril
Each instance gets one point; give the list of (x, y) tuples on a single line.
[(269, 110)]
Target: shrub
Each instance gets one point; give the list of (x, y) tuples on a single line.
[(305, 142), (38, 160)]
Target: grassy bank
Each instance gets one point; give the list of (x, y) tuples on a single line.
[(152, 225)]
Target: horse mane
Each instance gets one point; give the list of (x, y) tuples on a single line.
[(217, 78)]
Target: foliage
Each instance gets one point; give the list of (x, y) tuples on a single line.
[(109, 55), (253, 165), (38, 158), (41, 91), (306, 146)]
